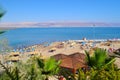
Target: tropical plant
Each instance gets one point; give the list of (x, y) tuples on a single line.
[(12, 73), (48, 67), (1, 32), (101, 74), (66, 73), (4, 48), (30, 69), (36, 70), (2, 12), (99, 59)]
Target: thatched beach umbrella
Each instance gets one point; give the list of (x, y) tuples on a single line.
[(14, 54), (32, 53), (36, 52), (14, 59), (78, 55), (59, 56), (52, 50), (72, 63)]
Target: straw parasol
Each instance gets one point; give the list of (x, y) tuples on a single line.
[(32, 53), (14, 54), (14, 59), (72, 64), (52, 50), (78, 55), (59, 56)]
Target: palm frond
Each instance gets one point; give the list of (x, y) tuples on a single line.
[(1, 32), (88, 58), (50, 64), (40, 63)]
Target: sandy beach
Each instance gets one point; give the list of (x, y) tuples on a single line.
[(65, 47), (70, 47)]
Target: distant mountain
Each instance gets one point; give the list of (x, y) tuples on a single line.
[(58, 24)]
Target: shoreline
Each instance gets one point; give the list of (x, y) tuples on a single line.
[(64, 47), (80, 40), (32, 36), (72, 43), (10, 28)]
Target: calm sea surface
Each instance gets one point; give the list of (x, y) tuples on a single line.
[(30, 36)]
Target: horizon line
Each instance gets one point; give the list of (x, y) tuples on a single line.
[(58, 24)]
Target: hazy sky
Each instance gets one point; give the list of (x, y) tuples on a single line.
[(61, 10)]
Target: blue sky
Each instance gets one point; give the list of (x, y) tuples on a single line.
[(61, 10)]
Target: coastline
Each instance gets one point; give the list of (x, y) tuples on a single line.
[(70, 46), (47, 43), (29, 36), (63, 47)]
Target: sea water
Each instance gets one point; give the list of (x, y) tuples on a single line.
[(31, 36)]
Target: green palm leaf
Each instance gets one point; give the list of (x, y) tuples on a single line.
[(2, 12), (40, 63), (99, 59), (50, 64), (1, 32)]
